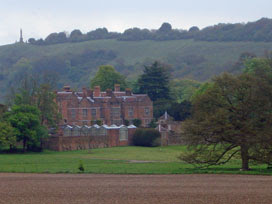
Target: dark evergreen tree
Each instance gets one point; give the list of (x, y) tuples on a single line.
[(155, 81)]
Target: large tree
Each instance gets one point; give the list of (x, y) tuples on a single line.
[(155, 81), (106, 77), (232, 116), (25, 120)]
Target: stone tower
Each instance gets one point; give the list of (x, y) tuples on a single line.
[(21, 36)]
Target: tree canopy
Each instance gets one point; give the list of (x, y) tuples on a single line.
[(7, 134), (25, 120), (184, 89), (232, 116), (106, 77), (155, 81)]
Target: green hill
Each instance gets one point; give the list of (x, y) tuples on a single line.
[(75, 63)]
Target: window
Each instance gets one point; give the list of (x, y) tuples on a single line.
[(130, 112), (93, 113), (67, 132), (85, 113), (73, 113), (123, 134), (103, 131), (115, 112), (147, 121), (147, 111), (101, 112)]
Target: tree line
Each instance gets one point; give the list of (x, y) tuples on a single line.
[(252, 31)]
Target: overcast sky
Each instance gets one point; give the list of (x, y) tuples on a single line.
[(40, 18)]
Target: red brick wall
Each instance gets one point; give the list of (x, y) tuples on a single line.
[(61, 143)]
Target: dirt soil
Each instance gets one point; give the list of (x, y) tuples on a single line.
[(170, 189)]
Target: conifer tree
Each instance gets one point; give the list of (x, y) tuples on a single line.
[(155, 81)]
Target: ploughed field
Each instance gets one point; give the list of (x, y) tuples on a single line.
[(101, 188), (117, 160)]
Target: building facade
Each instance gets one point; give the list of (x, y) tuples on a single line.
[(110, 107)]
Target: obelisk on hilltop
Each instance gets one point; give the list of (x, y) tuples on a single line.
[(21, 36)]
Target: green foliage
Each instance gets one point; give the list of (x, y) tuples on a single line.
[(258, 66), (155, 81), (99, 122), (3, 110), (180, 111), (160, 106), (7, 135), (106, 77), (146, 137), (81, 166), (25, 120), (183, 89), (50, 115), (202, 90), (232, 116), (253, 31), (55, 38), (239, 66), (30, 90), (137, 122), (73, 63), (126, 122), (152, 124), (165, 27)]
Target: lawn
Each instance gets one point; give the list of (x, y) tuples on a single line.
[(117, 160)]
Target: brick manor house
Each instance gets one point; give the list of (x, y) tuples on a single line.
[(109, 107)]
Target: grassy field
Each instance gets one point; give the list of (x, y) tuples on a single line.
[(118, 160)]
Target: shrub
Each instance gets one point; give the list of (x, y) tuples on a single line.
[(147, 137), (126, 122), (137, 122), (81, 167)]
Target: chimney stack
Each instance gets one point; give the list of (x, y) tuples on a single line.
[(109, 92), (84, 91), (97, 91), (67, 89), (128, 92), (90, 93), (117, 88)]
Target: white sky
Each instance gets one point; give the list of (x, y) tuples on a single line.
[(40, 18)]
